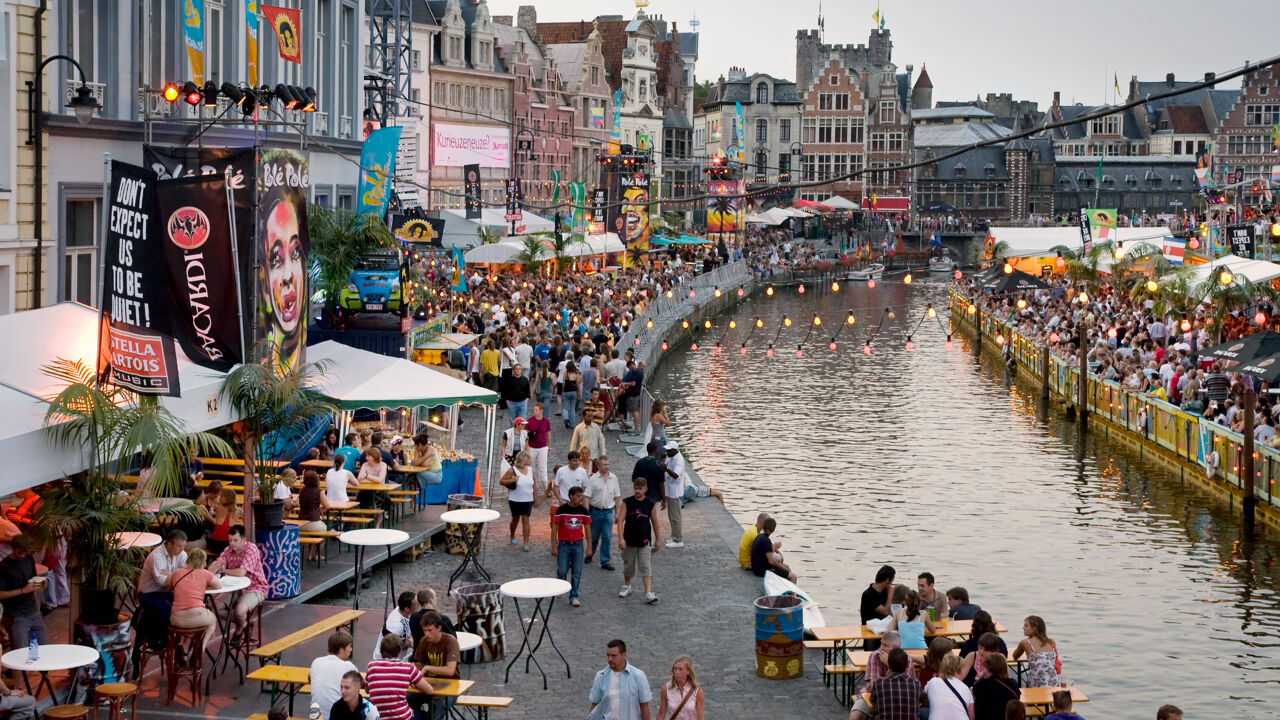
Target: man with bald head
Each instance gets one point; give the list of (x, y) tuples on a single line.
[(748, 537)]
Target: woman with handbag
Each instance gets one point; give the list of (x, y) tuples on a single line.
[(521, 495), (681, 698)]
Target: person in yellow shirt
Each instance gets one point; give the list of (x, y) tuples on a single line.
[(749, 536), (489, 359)]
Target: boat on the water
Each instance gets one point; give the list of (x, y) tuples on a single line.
[(778, 585), (942, 264), (867, 272)]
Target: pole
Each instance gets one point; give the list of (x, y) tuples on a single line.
[(235, 260), (1044, 373), (35, 106), (1246, 462), (1082, 389), (102, 260)]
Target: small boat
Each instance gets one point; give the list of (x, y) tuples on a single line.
[(942, 264), (778, 585), (868, 272)]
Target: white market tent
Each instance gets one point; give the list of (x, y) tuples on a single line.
[(507, 250), (503, 252), (464, 233), (597, 244), (839, 202), (1039, 242), (36, 338), (1257, 271)]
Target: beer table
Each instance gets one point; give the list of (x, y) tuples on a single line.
[(539, 590), (360, 539), (470, 516), (50, 658)]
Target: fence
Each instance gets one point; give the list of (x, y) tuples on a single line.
[(1146, 419)]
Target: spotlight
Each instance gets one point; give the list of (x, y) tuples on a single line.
[(249, 103), (170, 92), (210, 94), (233, 93), (309, 100), (191, 93), (286, 98)]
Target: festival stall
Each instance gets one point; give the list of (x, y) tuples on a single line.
[(1032, 249), (1255, 271), (459, 231), (356, 379), (839, 202)]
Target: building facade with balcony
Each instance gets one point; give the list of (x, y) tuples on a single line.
[(17, 190), (771, 110), (1245, 152)]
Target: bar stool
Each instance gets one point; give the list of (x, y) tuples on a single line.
[(67, 712), (145, 653), (192, 638), (115, 695), (250, 640)]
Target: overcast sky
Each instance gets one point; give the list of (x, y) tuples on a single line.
[(1029, 49)]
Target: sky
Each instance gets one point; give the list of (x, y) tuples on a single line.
[(972, 48)]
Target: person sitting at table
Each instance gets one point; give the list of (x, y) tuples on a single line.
[(949, 699), (337, 480), (1168, 712), (875, 600), (878, 666), (1062, 707), (208, 500), (931, 666), (961, 608), (21, 596), (145, 471), (911, 623), (374, 470), (14, 703), (328, 444), (192, 472), (327, 672), (426, 456), (930, 597), (397, 623), (1015, 710), (312, 505), (993, 692), (349, 450), (395, 453), (242, 559), (188, 585), (389, 677), (895, 695), (1043, 664), (982, 626), (350, 705), (426, 604), (154, 596), (225, 514), (284, 488), (438, 656)]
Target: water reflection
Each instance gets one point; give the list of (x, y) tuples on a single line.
[(940, 460)]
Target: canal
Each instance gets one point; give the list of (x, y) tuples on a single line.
[(936, 460)]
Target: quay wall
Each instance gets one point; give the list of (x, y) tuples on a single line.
[(1158, 431)]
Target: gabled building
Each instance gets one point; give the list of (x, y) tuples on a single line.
[(583, 79), (1182, 124), (1118, 133), (771, 111), (833, 134), (1244, 151), (1150, 185)]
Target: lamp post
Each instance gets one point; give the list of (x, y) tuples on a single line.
[(796, 150), (84, 105), (525, 146)]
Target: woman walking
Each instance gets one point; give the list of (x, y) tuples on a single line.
[(521, 495), (682, 698)]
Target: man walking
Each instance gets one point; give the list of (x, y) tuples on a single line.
[(620, 691), (538, 429), (603, 493), (567, 477), (516, 392), (673, 493), (570, 519), (638, 536)]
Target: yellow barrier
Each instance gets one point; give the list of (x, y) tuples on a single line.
[(1144, 418)]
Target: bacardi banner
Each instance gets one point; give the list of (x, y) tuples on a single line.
[(135, 345), (1240, 240), (283, 250), (195, 232), (471, 178)]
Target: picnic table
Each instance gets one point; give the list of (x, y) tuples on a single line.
[(296, 679), (1039, 698), (847, 637), (238, 463)]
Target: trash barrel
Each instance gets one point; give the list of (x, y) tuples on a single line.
[(779, 637), (480, 612), (456, 536)]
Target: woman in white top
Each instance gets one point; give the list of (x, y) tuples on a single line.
[(337, 480), (521, 498), (949, 697)]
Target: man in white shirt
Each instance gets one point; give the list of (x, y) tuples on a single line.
[(567, 477), (673, 493), (615, 368), (327, 672), (524, 354), (156, 599), (398, 624), (603, 495)]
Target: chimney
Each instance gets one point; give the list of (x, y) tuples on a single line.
[(503, 20), (527, 18), (1210, 77), (1168, 79), (1057, 98)]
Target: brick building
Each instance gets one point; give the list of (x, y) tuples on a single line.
[(833, 133), (1244, 152)]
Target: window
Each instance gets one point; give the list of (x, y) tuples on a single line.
[(762, 93), (808, 130), (877, 142), (80, 24), (961, 170), (833, 80), (826, 131), (348, 84), (824, 101), (762, 130), (784, 165), (833, 101), (80, 246), (415, 98), (437, 93), (1177, 147), (1261, 114), (455, 48), (886, 111), (595, 74), (784, 131), (895, 141), (470, 96), (455, 94), (762, 164), (415, 59), (486, 52), (320, 58), (500, 99), (486, 97), (346, 199), (644, 91)]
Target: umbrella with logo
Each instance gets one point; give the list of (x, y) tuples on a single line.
[(1016, 281), (1257, 355)]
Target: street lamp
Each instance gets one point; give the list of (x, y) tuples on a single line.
[(84, 105), (796, 150)]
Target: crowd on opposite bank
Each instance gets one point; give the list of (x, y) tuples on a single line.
[(1127, 341)]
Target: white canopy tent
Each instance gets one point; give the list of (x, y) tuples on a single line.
[(70, 330), (464, 233), (597, 244), (1256, 271), (503, 252), (1039, 242), (839, 202)]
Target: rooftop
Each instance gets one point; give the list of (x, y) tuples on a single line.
[(957, 134), (942, 113)]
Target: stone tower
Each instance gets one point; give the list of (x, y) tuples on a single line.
[(922, 93)]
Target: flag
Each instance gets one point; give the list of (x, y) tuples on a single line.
[(1117, 80), (555, 186), (615, 131), (193, 33), (1275, 175), (251, 39), (597, 116), (1174, 248), (820, 21), (578, 191), (1275, 135), (875, 16), (1102, 224), (377, 166), (287, 23), (459, 277), (740, 133)]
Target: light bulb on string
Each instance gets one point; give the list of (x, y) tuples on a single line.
[(1008, 268), (835, 286), (959, 274), (786, 321), (906, 279), (759, 322), (866, 349), (694, 346), (999, 338), (684, 324), (799, 352), (670, 294), (741, 291), (1111, 332), (871, 282), (769, 352), (948, 345), (692, 294), (718, 348), (1053, 338), (649, 324), (932, 311), (733, 324), (1022, 304), (769, 291), (972, 308), (1152, 286), (1260, 318), (637, 342), (910, 345), (1083, 297), (890, 314), (664, 345), (832, 345), (1185, 325), (800, 289), (742, 350), (816, 321), (706, 324), (717, 291)]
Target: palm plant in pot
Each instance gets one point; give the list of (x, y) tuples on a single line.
[(273, 402), (103, 427)]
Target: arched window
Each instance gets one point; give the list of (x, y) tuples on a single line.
[(762, 93)]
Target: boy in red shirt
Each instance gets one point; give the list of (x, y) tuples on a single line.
[(572, 519)]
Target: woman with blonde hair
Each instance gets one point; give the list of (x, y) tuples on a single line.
[(188, 585), (522, 494), (949, 697), (682, 698)]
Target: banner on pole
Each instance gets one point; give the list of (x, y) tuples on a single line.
[(1240, 240), (632, 221), (195, 230), (377, 166), (193, 34), (251, 39), (1174, 249), (471, 175), (283, 256), (287, 22), (135, 345), (578, 195)]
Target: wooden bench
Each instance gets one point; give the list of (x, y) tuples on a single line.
[(271, 652), (353, 520), (481, 704)]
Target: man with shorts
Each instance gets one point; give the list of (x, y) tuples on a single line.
[(764, 558), (639, 537), (567, 476), (242, 559)]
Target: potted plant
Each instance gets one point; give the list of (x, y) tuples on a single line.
[(339, 238), (272, 401), (106, 426)]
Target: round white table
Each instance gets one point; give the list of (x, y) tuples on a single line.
[(470, 516), (539, 590), (51, 658), (126, 540), (229, 584), (468, 641), (359, 540)]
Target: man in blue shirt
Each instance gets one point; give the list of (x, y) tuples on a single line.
[(350, 453), (620, 690), (543, 349)]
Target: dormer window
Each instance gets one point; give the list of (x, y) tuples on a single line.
[(960, 170), (762, 94), (989, 170)]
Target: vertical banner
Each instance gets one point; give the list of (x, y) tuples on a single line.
[(1240, 240), (1102, 223), (722, 206), (193, 33), (740, 135), (287, 22), (283, 250), (136, 348), (459, 266), (1174, 249), (175, 162), (377, 166), (633, 217), (195, 230), (615, 130), (471, 182), (599, 210), (251, 39), (578, 195), (1086, 230)]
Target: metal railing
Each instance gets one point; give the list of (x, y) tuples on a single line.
[(1145, 418)]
